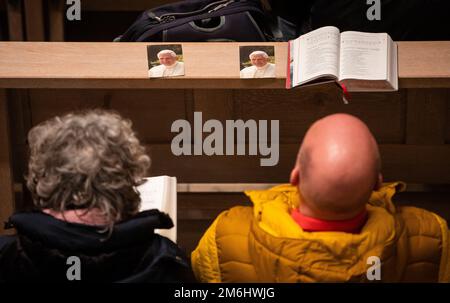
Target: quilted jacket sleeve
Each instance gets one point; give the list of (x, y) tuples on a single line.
[(204, 258)]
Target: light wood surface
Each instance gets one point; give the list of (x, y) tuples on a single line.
[(124, 65)]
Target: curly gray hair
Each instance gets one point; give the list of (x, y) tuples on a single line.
[(87, 160)]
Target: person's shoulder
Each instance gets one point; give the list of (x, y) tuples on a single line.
[(157, 67), (170, 260), (236, 220), (420, 221), (248, 72), (249, 68), (156, 71), (6, 241)]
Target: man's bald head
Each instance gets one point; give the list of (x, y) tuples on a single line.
[(337, 168)]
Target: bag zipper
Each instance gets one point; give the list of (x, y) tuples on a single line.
[(171, 17)]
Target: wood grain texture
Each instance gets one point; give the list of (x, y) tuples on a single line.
[(34, 20), (427, 116), (56, 17), (428, 164), (151, 111), (119, 61), (20, 122), (15, 25), (423, 60), (6, 178), (296, 110), (208, 65)]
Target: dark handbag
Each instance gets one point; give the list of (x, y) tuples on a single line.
[(200, 21)]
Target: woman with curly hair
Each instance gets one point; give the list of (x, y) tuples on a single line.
[(82, 174)]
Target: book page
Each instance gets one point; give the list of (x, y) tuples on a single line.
[(161, 193), (393, 64), (317, 54), (363, 56), (170, 207), (152, 193)]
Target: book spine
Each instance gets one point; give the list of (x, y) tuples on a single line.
[(288, 69)]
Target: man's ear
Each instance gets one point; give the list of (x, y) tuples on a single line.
[(379, 182), (295, 177)]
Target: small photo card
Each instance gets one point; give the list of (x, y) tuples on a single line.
[(257, 61), (165, 61)]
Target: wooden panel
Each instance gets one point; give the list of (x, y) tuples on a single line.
[(426, 116), (34, 20), (437, 202), (152, 112), (6, 178), (417, 163), (206, 206), (409, 163), (45, 104), (447, 119), (73, 61), (122, 5), (15, 25), (124, 65), (214, 104), (139, 83), (414, 59), (56, 17), (19, 115), (384, 113)]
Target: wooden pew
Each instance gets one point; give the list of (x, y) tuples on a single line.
[(14, 11), (40, 80)]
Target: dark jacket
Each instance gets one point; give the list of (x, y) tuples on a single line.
[(401, 19), (132, 253)]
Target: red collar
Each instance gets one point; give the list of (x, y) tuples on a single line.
[(311, 224)]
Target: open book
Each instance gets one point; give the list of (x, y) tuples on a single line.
[(161, 193), (360, 61)]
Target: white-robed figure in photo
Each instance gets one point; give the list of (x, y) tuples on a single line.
[(169, 67), (261, 68)]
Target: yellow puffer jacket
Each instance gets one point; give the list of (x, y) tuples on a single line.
[(264, 244)]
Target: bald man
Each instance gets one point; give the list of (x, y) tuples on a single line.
[(335, 222), (339, 165)]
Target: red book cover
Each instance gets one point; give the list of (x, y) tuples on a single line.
[(288, 69)]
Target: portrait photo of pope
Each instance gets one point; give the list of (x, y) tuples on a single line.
[(257, 62), (165, 61)]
